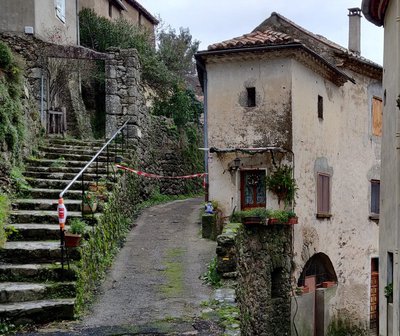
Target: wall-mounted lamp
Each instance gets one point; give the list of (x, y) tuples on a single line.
[(236, 163)]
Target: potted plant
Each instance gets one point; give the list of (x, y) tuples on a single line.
[(72, 237), (89, 204), (282, 183), (256, 216), (389, 292), (282, 217)]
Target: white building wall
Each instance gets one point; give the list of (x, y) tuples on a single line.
[(341, 144), (232, 124), (389, 232), (50, 28)]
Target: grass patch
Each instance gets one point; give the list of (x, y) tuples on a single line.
[(211, 276), (173, 273)]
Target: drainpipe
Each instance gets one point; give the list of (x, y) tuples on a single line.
[(78, 39), (206, 152), (42, 117)]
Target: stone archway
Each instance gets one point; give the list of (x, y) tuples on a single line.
[(320, 280), (320, 267)]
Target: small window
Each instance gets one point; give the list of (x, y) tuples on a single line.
[(376, 116), (320, 107), (110, 9), (323, 195), (375, 196), (251, 96), (60, 10), (277, 282)]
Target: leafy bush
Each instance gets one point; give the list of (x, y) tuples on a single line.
[(6, 57), (4, 212), (282, 183)]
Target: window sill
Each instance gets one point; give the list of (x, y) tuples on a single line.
[(374, 217), (323, 215)]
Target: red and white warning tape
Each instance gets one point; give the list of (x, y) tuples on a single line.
[(140, 173)]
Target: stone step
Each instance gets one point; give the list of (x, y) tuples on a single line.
[(61, 184), (35, 252), (37, 193), (89, 176), (81, 150), (42, 311), (34, 232), (39, 216), (77, 142), (13, 292), (45, 204), (54, 184), (36, 272), (76, 157), (58, 163), (101, 169)]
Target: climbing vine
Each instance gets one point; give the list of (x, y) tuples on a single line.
[(12, 126)]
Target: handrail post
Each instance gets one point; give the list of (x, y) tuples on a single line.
[(83, 193), (108, 160)]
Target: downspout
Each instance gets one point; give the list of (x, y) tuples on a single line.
[(78, 39), (42, 116), (206, 152)]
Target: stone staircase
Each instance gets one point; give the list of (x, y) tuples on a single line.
[(33, 287)]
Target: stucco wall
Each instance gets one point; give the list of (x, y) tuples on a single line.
[(16, 14), (101, 7), (390, 188), (233, 124), (341, 144)]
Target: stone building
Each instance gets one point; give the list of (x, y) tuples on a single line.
[(130, 10), (49, 20), (282, 94), (385, 13)]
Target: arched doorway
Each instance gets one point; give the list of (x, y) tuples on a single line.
[(320, 267), (319, 276)]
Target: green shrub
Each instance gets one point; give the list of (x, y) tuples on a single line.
[(6, 57), (4, 213), (282, 183), (77, 226)]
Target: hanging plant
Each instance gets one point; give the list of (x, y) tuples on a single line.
[(282, 183)]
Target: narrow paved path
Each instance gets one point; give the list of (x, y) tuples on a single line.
[(156, 274)]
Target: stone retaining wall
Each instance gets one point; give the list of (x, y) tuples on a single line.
[(264, 268), (159, 146)]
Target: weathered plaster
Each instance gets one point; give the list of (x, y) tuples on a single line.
[(339, 145)]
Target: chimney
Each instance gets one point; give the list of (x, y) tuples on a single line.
[(355, 30)]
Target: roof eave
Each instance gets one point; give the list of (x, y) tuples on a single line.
[(144, 11), (201, 55), (374, 11)]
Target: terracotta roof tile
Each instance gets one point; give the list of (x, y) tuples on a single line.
[(257, 38)]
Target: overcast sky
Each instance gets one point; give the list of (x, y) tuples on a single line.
[(211, 21)]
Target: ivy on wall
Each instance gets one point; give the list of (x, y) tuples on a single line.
[(12, 126), (106, 238)]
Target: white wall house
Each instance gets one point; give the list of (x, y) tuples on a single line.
[(282, 94), (386, 13), (51, 20)]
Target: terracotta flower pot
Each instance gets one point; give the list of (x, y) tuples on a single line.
[(253, 220), (71, 239)]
